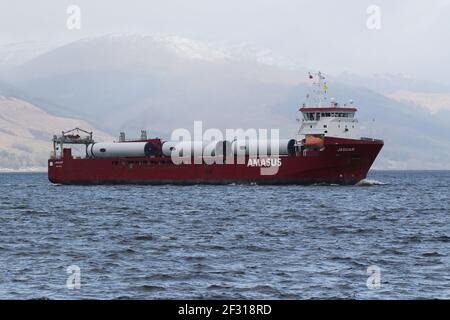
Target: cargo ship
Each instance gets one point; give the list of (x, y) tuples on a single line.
[(327, 149)]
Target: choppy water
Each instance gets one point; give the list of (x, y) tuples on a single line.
[(259, 242)]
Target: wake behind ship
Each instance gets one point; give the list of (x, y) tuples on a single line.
[(327, 149)]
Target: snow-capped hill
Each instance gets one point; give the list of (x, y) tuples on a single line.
[(433, 102), (144, 53), (387, 83), (14, 54), (26, 132), (264, 56), (191, 49), (183, 47), (118, 51)]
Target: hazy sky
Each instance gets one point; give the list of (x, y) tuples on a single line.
[(320, 34)]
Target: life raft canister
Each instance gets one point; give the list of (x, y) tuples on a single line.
[(313, 141)]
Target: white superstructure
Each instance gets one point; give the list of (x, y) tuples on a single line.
[(327, 118)]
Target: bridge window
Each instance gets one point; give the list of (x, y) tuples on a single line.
[(315, 116), (342, 114)]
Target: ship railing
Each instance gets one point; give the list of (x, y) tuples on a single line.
[(370, 139), (140, 139)]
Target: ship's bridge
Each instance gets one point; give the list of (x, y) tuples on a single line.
[(331, 121), (322, 117)]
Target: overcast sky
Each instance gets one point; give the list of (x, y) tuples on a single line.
[(319, 34)]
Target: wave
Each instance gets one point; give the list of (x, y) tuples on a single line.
[(326, 184), (370, 182)]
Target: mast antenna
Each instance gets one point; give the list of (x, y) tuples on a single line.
[(319, 89)]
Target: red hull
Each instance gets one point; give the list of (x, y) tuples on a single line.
[(343, 161)]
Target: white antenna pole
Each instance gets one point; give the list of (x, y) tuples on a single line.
[(318, 89)]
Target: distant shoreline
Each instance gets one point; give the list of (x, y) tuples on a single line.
[(27, 170)]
